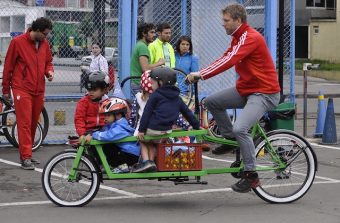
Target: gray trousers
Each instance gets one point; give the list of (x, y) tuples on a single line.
[(254, 106)]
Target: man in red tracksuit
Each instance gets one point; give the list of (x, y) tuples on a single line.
[(257, 89), (28, 61)]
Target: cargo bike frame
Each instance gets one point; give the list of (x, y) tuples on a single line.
[(286, 164)]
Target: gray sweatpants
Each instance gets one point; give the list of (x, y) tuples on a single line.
[(254, 106)]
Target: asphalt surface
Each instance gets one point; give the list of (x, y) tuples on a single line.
[(22, 198)]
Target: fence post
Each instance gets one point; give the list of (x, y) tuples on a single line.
[(292, 51), (125, 23), (184, 17), (270, 26), (134, 23)]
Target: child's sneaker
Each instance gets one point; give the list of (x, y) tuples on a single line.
[(144, 167), (154, 167), (123, 168)]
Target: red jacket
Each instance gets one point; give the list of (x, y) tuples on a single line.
[(249, 53), (25, 66), (87, 117)]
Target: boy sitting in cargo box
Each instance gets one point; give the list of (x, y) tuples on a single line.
[(119, 155)]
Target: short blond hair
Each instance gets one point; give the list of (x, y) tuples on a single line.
[(236, 11)]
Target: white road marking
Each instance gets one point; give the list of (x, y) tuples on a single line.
[(325, 146), (29, 203), (219, 160), (101, 186)]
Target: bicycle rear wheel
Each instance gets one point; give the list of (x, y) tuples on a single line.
[(37, 139), (293, 182)]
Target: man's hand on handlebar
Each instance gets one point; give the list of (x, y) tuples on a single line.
[(193, 77)]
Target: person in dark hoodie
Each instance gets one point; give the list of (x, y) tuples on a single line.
[(160, 114)]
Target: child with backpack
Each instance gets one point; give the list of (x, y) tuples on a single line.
[(161, 111)]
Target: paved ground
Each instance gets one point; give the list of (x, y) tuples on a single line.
[(23, 200)]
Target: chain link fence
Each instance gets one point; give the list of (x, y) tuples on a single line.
[(79, 23)]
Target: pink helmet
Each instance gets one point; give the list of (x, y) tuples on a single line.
[(145, 82)]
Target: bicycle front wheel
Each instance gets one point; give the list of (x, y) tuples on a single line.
[(64, 192), (38, 138), (293, 182)]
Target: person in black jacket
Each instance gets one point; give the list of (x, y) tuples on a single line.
[(160, 114)]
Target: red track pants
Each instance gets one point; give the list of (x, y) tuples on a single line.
[(27, 109)]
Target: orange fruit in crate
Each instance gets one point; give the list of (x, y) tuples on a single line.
[(186, 166), (184, 160), (167, 159), (176, 161), (184, 154)]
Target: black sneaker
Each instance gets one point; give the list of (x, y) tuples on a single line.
[(143, 167), (35, 161), (27, 164), (223, 149), (249, 180), (154, 167)]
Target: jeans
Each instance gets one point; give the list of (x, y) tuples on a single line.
[(254, 106)]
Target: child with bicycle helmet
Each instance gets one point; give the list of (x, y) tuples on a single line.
[(87, 117), (160, 114), (140, 100), (119, 155)]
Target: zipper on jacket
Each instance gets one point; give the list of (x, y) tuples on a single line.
[(24, 73), (36, 57)]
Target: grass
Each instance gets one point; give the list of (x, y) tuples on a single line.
[(328, 71), (324, 65)]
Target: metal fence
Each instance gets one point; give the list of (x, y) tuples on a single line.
[(79, 23)]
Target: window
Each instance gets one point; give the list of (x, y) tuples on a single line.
[(329, 4), (90, 4), (72, 3), (316, 29)]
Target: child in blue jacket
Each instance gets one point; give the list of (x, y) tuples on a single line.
[(116, 128)]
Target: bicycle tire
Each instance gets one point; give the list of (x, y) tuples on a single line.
[(209, 122), (56, 172), (292, 183), (187, 97), (37, 140), (8, 119), (46, 122)]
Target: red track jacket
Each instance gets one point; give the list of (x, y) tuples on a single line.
[(25, 66), (249, 53), (87, 117)]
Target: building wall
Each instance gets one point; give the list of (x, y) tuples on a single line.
[(325, 44)]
